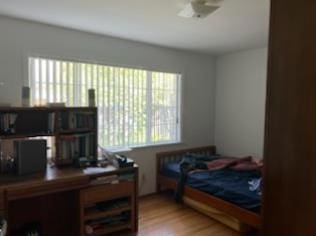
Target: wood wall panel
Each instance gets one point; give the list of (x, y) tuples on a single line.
[(289, 204), (2, 204)]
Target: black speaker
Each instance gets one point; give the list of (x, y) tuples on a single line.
[(25, 96), (91, 94), (31, 156)]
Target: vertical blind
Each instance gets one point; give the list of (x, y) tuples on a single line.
[(135, 107)]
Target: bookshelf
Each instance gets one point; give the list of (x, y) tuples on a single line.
[(73, 130)]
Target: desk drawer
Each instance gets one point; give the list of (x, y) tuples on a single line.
[(42, 188), (107, 192)]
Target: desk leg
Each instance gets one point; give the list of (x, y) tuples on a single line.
[(135, 220)]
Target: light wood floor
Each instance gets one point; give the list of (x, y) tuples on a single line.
[(161, 216)]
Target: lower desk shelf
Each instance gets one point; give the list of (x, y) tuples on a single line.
[(95, 214), (112, 229)]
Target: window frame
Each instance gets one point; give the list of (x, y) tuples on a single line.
[(180, 75)]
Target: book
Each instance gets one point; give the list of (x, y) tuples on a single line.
[(76, 146), (7, 123)]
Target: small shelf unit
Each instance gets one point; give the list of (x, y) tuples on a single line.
[(112, 207), (79, 124)]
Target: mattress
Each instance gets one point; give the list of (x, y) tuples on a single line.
[(229, 185)]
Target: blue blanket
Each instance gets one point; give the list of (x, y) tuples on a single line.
[(229, 185)]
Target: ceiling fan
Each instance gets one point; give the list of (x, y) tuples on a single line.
[(199, 8)]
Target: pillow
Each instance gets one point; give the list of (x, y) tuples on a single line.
[(246, 166)]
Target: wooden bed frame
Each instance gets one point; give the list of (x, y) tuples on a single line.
[(238, 218)]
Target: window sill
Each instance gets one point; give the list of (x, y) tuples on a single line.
[(119, 149), (139, 147), (155, 145)]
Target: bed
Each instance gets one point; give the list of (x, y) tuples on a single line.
[(238, 209)]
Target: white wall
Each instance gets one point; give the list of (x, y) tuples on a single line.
[(240, 103), (18, 39)]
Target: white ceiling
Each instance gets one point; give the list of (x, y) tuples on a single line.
[(237, 25)]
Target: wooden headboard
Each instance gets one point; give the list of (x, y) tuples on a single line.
[(164, 157)]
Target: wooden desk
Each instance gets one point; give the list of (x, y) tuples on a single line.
[(58, 193)]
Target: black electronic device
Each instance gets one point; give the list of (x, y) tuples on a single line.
[(30, 156), (123, 161)]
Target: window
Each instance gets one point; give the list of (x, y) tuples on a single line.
[(135, 107)]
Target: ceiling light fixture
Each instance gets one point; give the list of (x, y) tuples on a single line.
[(199, 8)]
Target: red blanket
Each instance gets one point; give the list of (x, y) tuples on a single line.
[(239, 164)]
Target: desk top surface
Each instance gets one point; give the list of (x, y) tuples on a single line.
[(55, 174)]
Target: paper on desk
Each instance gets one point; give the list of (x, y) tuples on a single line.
[(93, 170)]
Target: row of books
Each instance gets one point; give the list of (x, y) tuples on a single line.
[(76, 146), (112, 179), (67, 121), (103, 180), (76, 120), (93, 226), (7, 123)]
